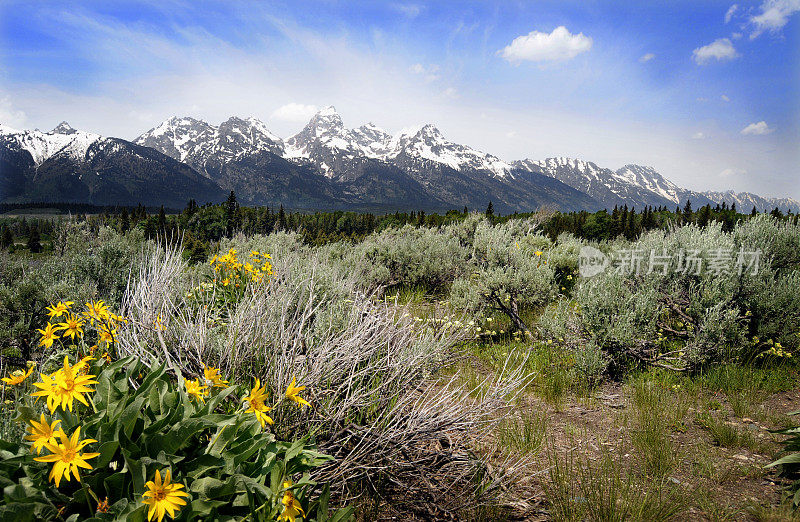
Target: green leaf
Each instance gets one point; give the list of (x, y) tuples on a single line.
[(345, 513), (107, 451)]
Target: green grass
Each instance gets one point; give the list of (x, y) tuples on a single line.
[(581, 489), (725, 434), (748, 380), (656, 413), (525, 434)]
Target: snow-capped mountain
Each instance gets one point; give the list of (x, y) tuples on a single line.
[(62, 140), (332, 148), (427, 143), (206, 148), (745, 201), (374, 141), (649, 179), (329, 147), (69, 165), (324, 166), (628, 186)]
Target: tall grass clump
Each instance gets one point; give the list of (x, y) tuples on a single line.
[(381, 406), (579, 488)]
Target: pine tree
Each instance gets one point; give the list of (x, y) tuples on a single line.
[(754, 211), (616, 223), (231, 207), (124, 221), (34, 239), (490, 210), (630, 228), (282, 219), (162, 221), (6, 237), (704, 216)]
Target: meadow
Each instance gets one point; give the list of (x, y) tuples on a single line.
[(455, 369)]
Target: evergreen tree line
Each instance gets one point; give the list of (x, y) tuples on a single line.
[(201, 225)]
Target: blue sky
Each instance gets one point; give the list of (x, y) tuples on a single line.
[(706, 92)]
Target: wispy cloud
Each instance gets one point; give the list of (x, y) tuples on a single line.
[(699, 136), (647, 57), (11, 116), (294, 112), (408, 10), (757, 129), (731, 11), (773, 15), (537, 46), (727, 173), (724, 98), (429, 73), (720, 49)]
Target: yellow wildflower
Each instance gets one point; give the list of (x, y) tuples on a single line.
[(66, 456), (48, 335), (195, 390), (64, 386), (213, 377), (163, 497), (292, 393), (256, 404), (57, 310), (106, 335), (291, 507), (17, 377), (72, 326), (42, 433), (96, 311)]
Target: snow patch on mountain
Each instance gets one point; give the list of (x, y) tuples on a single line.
[(427, 142), (745, 201), (199, 143), (649, 179), (44, 145)]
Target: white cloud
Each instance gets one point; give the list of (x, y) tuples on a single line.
[(757, 129), (647, 57), (537, 46), (511, 134), (720, 49), (731, 11), (11, 116), (408, 10), (294, 112), (699, 136), (450, 92), (773, 16), (725, 98), (736, 36), (727, 173), (430, 73)]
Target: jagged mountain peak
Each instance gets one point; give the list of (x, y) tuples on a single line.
[(63, 128), (326, 121), (426, 142), (329, 111), (63, 140), (248, 126), (5, 129)]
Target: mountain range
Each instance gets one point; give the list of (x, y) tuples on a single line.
[(325, 166)]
